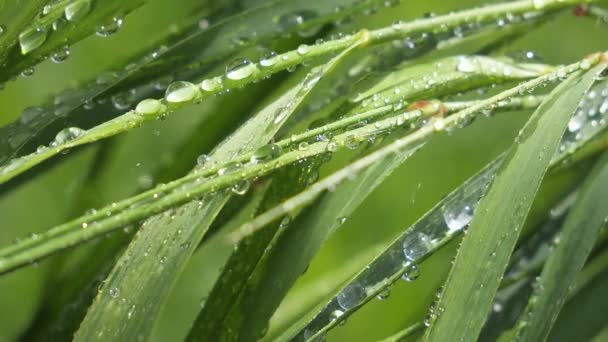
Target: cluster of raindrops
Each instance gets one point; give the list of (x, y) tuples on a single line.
[(589, 118)]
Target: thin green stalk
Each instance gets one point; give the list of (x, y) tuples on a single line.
[(252, 72)]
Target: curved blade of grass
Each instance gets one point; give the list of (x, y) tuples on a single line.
[(257, 71), (583, 316), (40, 39), (484, 254), (149, 279), (579, 233), (526, 262)]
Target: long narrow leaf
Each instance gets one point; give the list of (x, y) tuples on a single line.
[(484, 254)]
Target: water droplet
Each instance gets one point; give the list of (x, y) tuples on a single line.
[(351, 296), (30, 114), (239, 69), (110, 28), (384, 294), (303, 49), (68, 134), (332, 146), (61, 55), (77, 10), (457, 216), (412, 273), (114, 292), (229, 168), (416, 246), (202, 160), (269, 58), (28, 72), (149, 107), (181, 91), (291, 20), (32, 39), (335, 315), (211, 84), (241, 187), (265, 153), (204, 24), (576, 122), (123, 100), (585, 64), (467, 64)]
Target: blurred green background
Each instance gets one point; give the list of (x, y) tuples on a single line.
[(52, 197)]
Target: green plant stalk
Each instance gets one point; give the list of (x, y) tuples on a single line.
[(484, 254), (111, 217), (576, 240), (285, 61), (164, 196)]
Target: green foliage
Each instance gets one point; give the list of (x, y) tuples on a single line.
[(264, 169)]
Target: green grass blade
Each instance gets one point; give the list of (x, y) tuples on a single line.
[(583, 316), (576, 240), (484, 254)]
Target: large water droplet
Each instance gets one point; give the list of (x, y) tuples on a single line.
[(110, 28), (77, 10), (416, 246), (61, 55), (457, 216), (241, 187), (181, 91), (266, 153), (239, 69), (68, 134), (149, 107), (351, 296), (32, 39)]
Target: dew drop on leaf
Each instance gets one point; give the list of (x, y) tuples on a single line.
[(239, 69), (77, 10), (110, 28), (32, 39), (149, 107), (265, 153), (412, 272), (61, 55), (457, 216), (181, 91), (351, 296), (68, 134)]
